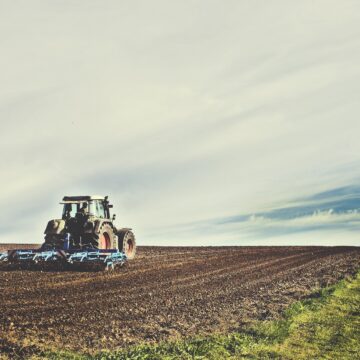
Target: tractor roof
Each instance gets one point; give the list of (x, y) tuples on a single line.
[(72, 199)]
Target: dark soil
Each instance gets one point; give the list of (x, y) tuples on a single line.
[(166, 292)]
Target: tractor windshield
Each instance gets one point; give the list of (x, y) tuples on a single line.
[(96, 208)]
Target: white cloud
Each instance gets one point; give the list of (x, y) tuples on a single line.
[(319, 218)]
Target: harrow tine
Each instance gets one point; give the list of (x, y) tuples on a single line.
[(98, 258)]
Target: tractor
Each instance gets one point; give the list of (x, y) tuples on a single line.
[(87, 224), (84, 236)]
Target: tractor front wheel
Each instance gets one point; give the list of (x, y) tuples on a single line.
[(127, 243)]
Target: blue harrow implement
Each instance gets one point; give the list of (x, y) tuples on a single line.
[(90, 259)]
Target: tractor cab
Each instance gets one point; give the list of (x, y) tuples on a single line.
[(89, 206)]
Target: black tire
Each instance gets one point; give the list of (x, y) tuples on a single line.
[(53, 241), (105, 239), (47, 246), (127, 243)]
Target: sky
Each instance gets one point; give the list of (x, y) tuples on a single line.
[(206, 122)]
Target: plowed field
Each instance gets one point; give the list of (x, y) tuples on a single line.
[(163, 293)]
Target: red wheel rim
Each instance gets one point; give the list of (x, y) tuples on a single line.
[(129, 248), (104, 242)]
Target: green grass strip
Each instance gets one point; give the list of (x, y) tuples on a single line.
[(324, 326)]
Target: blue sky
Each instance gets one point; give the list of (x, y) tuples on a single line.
[(206, 122)]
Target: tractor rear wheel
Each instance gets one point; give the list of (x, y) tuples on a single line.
[(105, 238), (127, 243), (53, 241)]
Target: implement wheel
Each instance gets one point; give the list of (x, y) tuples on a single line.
[(127, 243)]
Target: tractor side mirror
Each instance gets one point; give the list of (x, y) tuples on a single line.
[(113, 217)]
